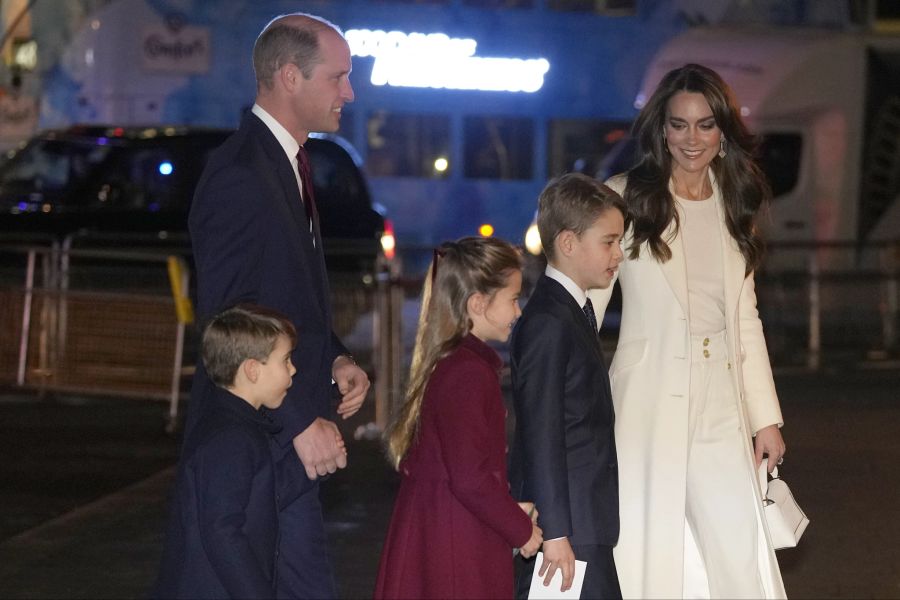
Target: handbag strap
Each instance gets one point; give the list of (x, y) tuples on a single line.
[(764, 480)]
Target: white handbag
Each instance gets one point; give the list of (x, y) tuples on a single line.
[(786, 519)]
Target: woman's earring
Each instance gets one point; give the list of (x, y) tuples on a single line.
[(722, 151)]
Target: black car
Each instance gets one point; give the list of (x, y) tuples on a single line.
[(99, 180)]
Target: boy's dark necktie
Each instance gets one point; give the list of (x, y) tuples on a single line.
[(308, 196), (588, 309)]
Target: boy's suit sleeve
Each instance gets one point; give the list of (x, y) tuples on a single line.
[(223, 490), (540, 351)]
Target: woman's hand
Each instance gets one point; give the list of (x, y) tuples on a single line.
[(769, 442)]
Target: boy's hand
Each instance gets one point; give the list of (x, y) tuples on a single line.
[(320, 448), (558, 554), (353, 384), (534, 543)]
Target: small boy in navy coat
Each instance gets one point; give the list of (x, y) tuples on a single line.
[(222, 537)]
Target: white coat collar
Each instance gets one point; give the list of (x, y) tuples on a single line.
[(675, 269)]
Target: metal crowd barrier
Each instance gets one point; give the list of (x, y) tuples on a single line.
[(80, 326), (84, 316), (111, 322), (821, 299)]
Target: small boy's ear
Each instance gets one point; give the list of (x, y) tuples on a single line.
[(250, 369)]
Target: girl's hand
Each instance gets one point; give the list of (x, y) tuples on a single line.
[(534, 544), (530, 510), (769, 442)]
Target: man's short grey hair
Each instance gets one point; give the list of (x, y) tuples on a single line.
[(289, 39)]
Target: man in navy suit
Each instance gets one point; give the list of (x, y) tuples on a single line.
[(255, 237), (564, 455)]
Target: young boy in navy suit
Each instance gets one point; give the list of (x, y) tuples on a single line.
[(222, 539), (564, 455)]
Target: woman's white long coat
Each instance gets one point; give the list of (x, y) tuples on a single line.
[(656, 556)]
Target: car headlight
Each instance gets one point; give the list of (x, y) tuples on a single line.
[(533, 240)]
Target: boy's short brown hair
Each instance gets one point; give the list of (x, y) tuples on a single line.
[(573, 202), (239, 333)]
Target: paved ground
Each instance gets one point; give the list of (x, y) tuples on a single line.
[(83, 491)]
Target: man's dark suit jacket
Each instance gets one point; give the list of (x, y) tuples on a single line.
[(222, 536), (251, 243), (564, 455)]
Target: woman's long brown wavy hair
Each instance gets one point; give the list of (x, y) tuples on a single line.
[(460, 269), (743, 186)]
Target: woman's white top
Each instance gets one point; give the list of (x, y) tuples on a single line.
[(703, 255)]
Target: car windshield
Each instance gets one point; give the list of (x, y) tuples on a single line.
[(104, 174), (50, 166)]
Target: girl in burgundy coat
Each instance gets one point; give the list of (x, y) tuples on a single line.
[(455, 523)]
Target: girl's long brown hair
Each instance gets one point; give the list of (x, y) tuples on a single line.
[(744, 188), (459, 269)]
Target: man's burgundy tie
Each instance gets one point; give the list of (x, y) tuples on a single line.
[(309, 195)]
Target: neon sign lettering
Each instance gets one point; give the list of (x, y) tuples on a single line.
[(435, 60)]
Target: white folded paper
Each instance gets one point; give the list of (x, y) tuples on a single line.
[(539, 591)]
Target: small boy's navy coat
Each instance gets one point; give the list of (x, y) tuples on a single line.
[(222, 536)]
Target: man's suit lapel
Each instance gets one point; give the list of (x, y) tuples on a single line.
[(283, 178)]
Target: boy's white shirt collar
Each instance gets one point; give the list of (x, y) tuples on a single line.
[(287, 141), (564, 280)]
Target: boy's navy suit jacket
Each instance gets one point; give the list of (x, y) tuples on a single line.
[(222, 536), (564, 455)]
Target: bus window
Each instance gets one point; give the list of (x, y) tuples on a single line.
[(600, 7), (581, 144), (779, 158), (498, 147), (408, 145)]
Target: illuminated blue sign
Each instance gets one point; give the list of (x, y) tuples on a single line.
[(435, 60)]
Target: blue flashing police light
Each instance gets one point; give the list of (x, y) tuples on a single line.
[(166, 168)]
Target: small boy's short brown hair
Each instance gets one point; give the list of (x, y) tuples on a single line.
[(573, 202), (240, 333)]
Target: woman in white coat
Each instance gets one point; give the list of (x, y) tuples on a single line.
[(696, 408)]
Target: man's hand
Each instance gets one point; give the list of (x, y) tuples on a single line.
[(353, 384), (769, 441), (320, 448), (558, 554)]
